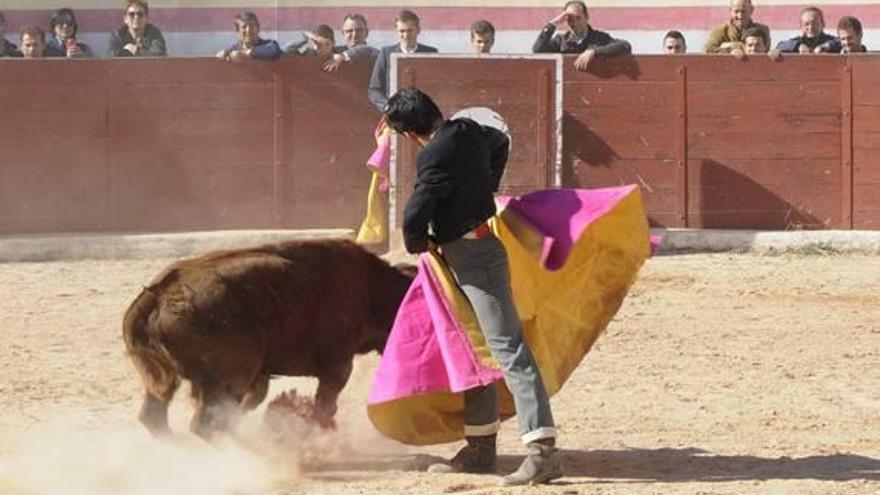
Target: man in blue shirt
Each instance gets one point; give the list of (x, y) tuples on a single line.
[(813, 38), (249, 45)]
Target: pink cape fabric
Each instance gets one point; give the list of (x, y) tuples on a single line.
[(428, 350), (380, 160)]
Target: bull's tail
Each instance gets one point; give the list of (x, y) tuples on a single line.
[(155, 365)]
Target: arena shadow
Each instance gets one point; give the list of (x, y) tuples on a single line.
[(633, 465), (693, 464)]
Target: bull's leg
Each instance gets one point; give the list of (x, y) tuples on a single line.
[(215, 408), (154, 415), (255, 395), (331, 381)]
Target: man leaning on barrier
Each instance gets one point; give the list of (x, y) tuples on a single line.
[(849, 32), (813, 38), (580, 38), (250, 46), (7, 49), (726, 37), (354, 35), (137, 37)]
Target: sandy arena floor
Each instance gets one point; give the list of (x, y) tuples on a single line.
[(722, 374)]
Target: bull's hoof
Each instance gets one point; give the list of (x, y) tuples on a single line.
[(291, 406)]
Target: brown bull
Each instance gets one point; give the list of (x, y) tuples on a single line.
[(230, 320)]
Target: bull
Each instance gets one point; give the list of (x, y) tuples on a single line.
[(230, 320)]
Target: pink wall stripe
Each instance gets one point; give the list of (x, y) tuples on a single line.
[(447, 18)]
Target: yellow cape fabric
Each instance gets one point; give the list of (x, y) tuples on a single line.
[(563, 312), (374, 228)]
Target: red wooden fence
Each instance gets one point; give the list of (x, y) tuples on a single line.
[(197, 144)]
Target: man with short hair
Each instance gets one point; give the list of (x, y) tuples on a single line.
[(753, 41), (482, 36), (849, 31), (459, 168), (724, 38), (33, 41), (318, 42), (580, 37), (674, 43), (7, 49), (354, 35), (407, 26), (250, 46), (813, 38), (137, 37)]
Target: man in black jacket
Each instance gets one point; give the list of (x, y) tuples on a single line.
[(580, 38), (406, 24), (459, 168)]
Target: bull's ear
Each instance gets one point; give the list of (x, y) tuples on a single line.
[(407, 269)]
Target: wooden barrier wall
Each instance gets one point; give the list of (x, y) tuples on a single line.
[(181, 144), (196, 144)]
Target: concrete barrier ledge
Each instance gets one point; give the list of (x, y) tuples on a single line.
[(146, 246), (802, 241), (175, 245)]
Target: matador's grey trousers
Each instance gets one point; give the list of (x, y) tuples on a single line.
[(480, 268)]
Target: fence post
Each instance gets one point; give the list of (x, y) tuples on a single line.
[(846, 143), (681, 143)]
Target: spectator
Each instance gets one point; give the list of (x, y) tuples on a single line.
[(580, 38), (318, 42), (674, 43), (7, 49), (137, 38), (354, 32), (249, 45), (753, 41), (849, 31), (729, 35), (33, 41), (813, 38), (482, 36), (62, 36), (407, 26)]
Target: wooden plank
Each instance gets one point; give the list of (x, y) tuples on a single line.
[(767, 120), (52, 97), (217, 151), (734, 72), (37, 127), (234, 124), (718, 96), (192, 96), (618, 69), (188, 70), (68, 73), (867, 165), (789, 219), (54, 187), (866, 118), (866, 206), (199, 197), (747, 195), (764, 171), (618, 95), (764, 145)]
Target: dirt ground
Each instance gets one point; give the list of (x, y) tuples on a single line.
[(722, 374)]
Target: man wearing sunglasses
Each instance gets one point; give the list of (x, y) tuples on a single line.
[(137, 38)]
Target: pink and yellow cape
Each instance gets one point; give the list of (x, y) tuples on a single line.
[(374, 228), (573, 256)]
